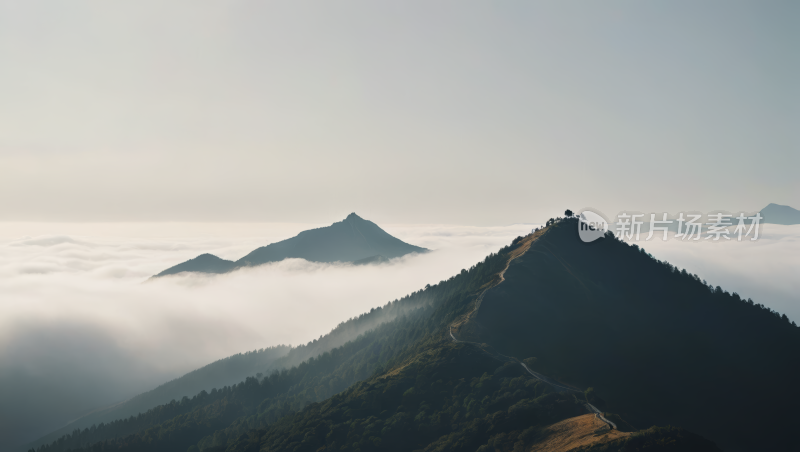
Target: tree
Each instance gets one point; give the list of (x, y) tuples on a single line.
[(568, 213)]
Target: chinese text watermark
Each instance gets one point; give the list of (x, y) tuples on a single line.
[(686, 226)]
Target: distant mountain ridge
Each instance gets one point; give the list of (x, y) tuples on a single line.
[(778, 214), (353, 239)]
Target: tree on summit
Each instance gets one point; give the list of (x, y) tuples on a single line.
[(568, 213)]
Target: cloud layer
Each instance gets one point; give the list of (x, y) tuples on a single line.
[(81, 327)]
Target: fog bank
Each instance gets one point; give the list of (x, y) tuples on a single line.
[(81, 327)]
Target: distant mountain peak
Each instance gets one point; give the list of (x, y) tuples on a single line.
[(204, 263), (780, 214), (207, 256), (353, 239)]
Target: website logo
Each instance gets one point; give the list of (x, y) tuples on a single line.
[(591, 225)]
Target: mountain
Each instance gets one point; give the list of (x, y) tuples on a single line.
[(545, 345), (353, 239), (204, 263), (778, 214), (659, 345)]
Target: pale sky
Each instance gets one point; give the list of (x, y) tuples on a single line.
[(482, 113)]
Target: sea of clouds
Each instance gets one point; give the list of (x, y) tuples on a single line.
[(81, 326)]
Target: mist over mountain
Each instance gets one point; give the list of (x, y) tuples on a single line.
[(353, 239), (507, 354), (223, 372), (234, 369), (80, 332)]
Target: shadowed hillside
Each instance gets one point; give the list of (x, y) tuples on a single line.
[(353, 239), (659, 345)]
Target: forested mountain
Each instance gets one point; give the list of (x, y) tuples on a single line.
[(601, 323), (661, 346), (353, 239)]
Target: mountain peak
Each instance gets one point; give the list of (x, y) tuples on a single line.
[(204, 263), (352, 240), (780, 214)]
